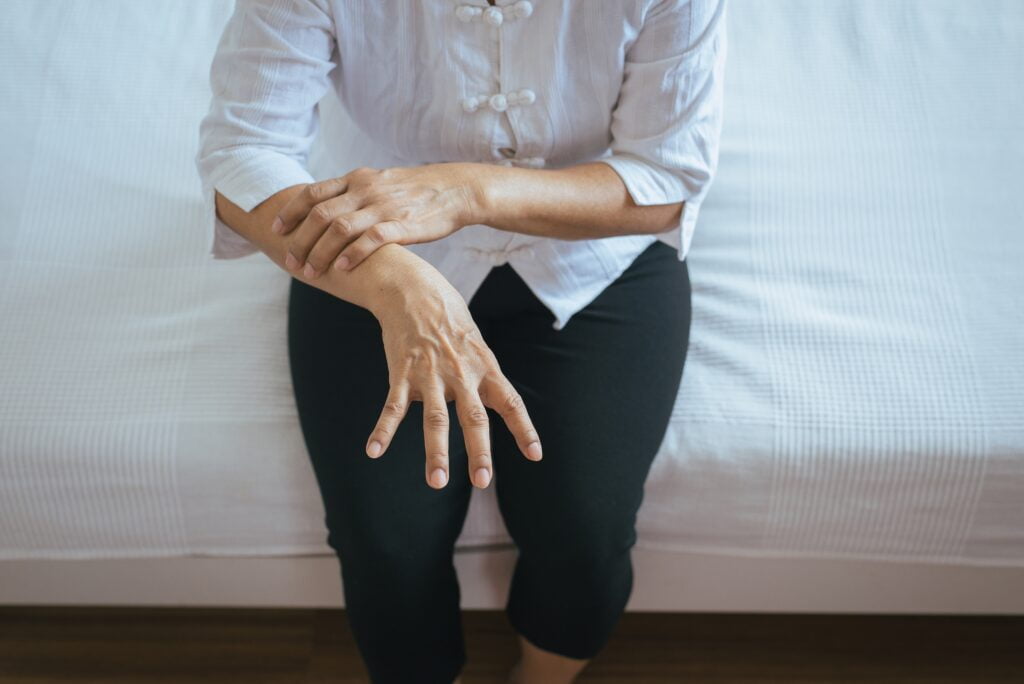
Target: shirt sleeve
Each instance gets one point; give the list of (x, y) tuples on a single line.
[(668, 118), (269, 71)]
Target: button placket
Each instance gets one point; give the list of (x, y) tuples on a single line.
[(509, 159), (500, 102), (495, 15)]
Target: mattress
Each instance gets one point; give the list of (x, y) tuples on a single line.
[(854, 385)]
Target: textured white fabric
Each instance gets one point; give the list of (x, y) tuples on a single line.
[(635, 85), (854, 380)]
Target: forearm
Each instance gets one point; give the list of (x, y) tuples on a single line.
[(578, 202), (378, 283)]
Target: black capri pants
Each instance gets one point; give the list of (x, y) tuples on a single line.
[(600, 392)]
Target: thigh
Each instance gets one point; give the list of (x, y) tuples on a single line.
[(600, 392), (340, 378)]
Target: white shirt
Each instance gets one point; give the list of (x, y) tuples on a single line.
[(541, 84)]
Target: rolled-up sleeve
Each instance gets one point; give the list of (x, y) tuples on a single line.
[(667, 121), (269, 71)]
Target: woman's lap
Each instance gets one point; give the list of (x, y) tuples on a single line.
[(600, 393), (602, 387)]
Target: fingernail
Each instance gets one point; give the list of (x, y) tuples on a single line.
[(341, 263), (309, 271), (374, 449), (534, 451), (438, 477), (277, 226), (483, 477), (290, 261)]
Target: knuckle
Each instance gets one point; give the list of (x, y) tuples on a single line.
[(394, 408), (319, 192), (475, 416), (320, 214), (377, 232), (437, 418), (361, 173), (341, 226), (433, 462), (512, 401)]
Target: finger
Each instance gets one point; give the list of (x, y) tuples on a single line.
[(299, 206), (312, 228), (340, 232), (395, 407), (372, 239), (435, 435), (476, 430), (498, 393)]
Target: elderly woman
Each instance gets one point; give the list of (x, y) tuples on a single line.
[(523, 257)]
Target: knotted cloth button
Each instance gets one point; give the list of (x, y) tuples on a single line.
[(497, 257), (498, 102), (525, 96), (521, 97), (521, 9), (493, 16), (472, 103), (467, 12)]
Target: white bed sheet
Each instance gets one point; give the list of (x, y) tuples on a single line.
[(855, 380)]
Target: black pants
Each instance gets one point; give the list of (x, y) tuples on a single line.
[(599, 392)]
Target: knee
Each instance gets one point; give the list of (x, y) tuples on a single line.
[(388, 555), (583, 543)]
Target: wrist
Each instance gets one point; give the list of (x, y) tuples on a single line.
[(481, 183), (416, 301), (402, 289)]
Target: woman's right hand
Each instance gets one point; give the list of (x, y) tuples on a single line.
[(436, 354)]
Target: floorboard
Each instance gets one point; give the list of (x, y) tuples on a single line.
[(117, 645)]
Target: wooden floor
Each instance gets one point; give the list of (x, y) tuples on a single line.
[(172, 645)]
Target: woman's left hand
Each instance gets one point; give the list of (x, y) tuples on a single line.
[(343, 220)]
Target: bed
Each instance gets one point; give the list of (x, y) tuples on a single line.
[(849, 433)]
